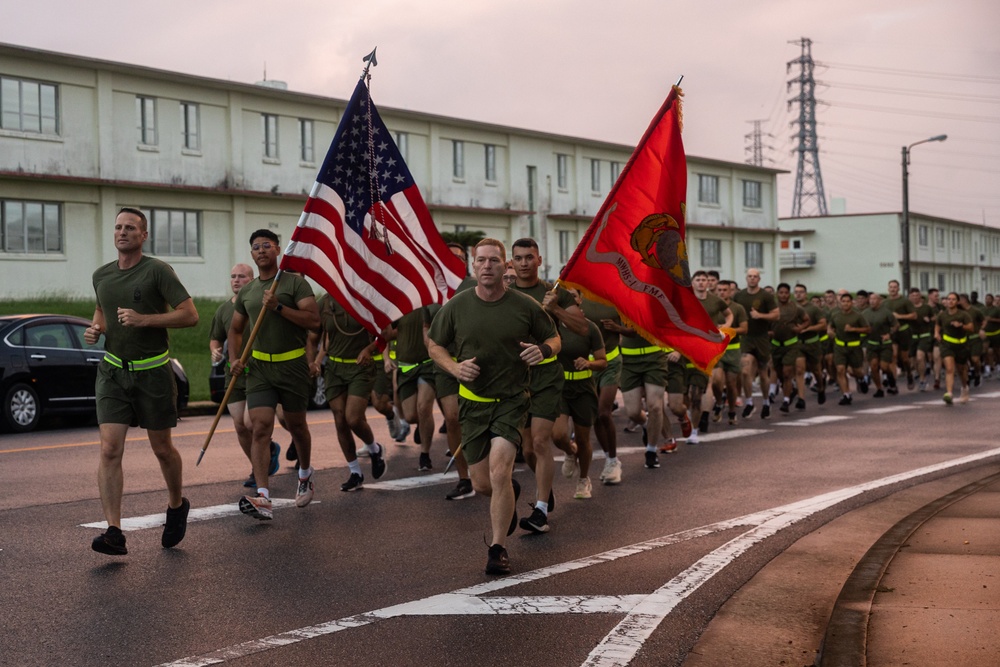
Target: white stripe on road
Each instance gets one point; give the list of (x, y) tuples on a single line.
[(620, 646), (196, 514), (729, 435), (886, 410), (812, 421)]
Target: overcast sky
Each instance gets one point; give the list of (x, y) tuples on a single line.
[(895, 72)]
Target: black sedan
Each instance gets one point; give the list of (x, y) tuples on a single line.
[(46, 368)]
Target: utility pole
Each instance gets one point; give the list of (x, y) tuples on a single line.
[(755, 145), (808, 177)]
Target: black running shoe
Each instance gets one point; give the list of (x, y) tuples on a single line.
[(110, 542), (552, 501), (425, 462), (378, 462), (416, 433), (703, 423), (765, 412), (275, 461), (878, 394), (354, 483), (461, 491), (845, 400), (863, 385), (784, 406), (821, 397), (513, 519), (652, 460), (176, 525), (497, 561), (291, 453), (444, 427), (800, 404), (250, 482), (747, 410), (537, 523)]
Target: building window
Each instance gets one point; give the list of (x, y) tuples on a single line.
[(566, 246), (269, 130), (711, 253), (751, 194), (595, 175), (616, 169), (28, 106), (306, 152), (491, 163), (941, 282), (562, 171), (754, 254), (173, 233), (458, 159), (925, 281), (939, 239), (922, 239), (30, 227), (956, 240), (403, 144), (145, 119), (708, 189), (190, 126)]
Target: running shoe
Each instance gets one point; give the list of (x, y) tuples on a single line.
[(631, 427), (304, 493), (800, 404), (685, 425), (784, 406), (863, 385), (176, 524), (292, 454), (910, 382), (392, 424), (569, 467), (250, 482), (947, 397), (717, 413), (669, 446), (583, 488), (703, 423), (652, 460), (275, 461), (879, 394), (363, 451), (378, 460), (732, 419), (844, 400), (444, 427), (748, 410), (461, 491), (257, 506), (402, 431), (765, 411), (513, 519), (110, 542), (416, 435), (425, 463), (964, 396), (923, 385), (821, 397), (537, 523), (612, 473), (692, 439), (552, 500), (497, 560), (893, 390), (354, 483), (937, 384)]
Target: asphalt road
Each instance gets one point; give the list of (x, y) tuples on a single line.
[(394, 574)]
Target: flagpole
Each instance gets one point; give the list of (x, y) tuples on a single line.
[(247, 346)]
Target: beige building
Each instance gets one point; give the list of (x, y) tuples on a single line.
[(211, 161), (864, 251)]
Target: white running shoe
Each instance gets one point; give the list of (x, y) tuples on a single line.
[(612, 474), (583, 489), (304, 494), (569, 468)]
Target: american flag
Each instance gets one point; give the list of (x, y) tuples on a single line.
[(365, 234)]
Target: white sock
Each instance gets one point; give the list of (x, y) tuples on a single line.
[(304, 474), (694, 432), (261, 491), (542, 505), (354, 466), (612, 459)]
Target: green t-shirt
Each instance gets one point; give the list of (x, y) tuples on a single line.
[(223, 317), (815, 314), (276, 334), (537, 292), (992, 311), (944, 321), (715, 307), (791, 314), (595, 312), (492, 332), (739, 317), (468, 282), (345, 337), (881, 321), (149, 287), (410, 346), (925, 320), (763, 302), (575, 346), (839, 319)]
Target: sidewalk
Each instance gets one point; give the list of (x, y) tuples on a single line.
[(911, 579)]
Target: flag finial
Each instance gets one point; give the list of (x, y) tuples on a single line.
[(369, 61)]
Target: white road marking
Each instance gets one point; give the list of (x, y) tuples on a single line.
[(644, 612), (886, 410), (196, 514), (729, 435), (812, 421)]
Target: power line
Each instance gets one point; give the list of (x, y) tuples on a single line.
[(936, 164), (913, 112), (944, 76), (959, 97), (835, 139)]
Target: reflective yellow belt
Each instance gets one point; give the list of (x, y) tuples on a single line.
[(139, 364), (993, 333), (638, 351), (851, 343), (616, 351), (577, 375), (877, 342), (924, 335), (547, 361), (467, 394), (824, 338), (904, 327), (810, 341), (378, 357), (785, 343), (954, 341), (733, 346), (283, 356), (341, 360), (406, 368)]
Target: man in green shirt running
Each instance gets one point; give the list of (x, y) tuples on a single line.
[(498, 335), (138, 299)]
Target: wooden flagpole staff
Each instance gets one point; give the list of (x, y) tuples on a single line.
[(247, 348)]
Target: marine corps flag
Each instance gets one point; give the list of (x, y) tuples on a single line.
[(634, 257)]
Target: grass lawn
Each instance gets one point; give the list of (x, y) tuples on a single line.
[(189, 346)]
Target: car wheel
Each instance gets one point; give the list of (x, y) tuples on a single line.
[(21, 408)]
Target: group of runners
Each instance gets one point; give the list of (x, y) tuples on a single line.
[(519, 368)]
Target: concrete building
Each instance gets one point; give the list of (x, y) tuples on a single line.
[(211, 161), (864, 251)]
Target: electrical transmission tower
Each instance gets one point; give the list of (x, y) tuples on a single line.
[(755, 146), (808, 177)]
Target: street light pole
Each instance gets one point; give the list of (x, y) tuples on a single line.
[(905, 231)]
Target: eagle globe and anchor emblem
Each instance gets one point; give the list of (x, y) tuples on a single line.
[(659, 242)]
